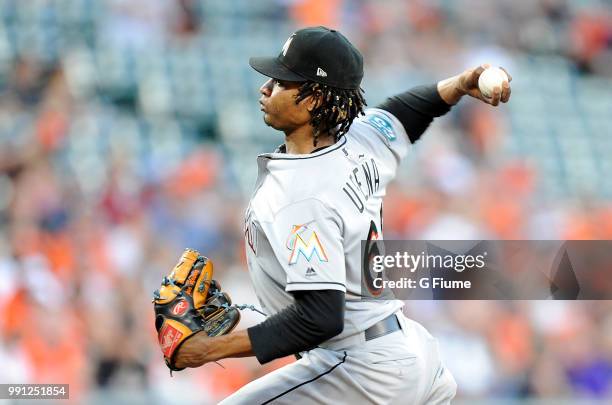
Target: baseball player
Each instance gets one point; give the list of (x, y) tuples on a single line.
[(316, 198)]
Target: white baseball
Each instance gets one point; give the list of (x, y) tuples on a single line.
[(489, 79)]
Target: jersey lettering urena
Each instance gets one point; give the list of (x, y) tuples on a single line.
[(363, 181)]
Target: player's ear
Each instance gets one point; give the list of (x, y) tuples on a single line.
[(313, 101)]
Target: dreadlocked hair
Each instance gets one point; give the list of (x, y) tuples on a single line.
[(335, 108)]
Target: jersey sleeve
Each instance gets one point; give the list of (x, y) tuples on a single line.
[(307, 240), (382, 134)]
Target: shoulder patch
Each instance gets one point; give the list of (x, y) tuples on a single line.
[(304, 241), (382, 124)]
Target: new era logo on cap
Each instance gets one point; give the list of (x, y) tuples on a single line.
[(321, 72)]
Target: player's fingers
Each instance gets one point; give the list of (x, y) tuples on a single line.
[(507, 74), (478, 71), (476, 74), (506, 90), (471, 79), (495, 97)]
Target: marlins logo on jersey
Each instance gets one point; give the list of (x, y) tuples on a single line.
[(305, 242)]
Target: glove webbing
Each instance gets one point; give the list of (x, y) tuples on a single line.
[(240, 307)]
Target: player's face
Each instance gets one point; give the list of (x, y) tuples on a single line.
[(277, 102)]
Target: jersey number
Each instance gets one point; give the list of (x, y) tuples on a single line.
[(370, 250)]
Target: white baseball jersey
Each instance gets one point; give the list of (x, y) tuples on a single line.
[(309, 213), (303, 231)]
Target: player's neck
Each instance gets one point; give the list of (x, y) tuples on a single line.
[(300, 141)]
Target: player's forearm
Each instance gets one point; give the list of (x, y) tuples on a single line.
[(236, 344), (416, 108), (201, 349), (316, 317)]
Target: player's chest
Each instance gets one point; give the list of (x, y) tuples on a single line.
[(260, 210)]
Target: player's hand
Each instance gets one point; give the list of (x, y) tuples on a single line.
[(468, 84), (194, 352)]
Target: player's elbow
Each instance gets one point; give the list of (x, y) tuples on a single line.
[(331, 323), (333, 328)]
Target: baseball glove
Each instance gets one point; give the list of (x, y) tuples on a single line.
[(190, 301)]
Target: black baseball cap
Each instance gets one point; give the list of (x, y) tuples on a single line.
[(319, 54)]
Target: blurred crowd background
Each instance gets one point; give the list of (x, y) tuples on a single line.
[(129, 131)]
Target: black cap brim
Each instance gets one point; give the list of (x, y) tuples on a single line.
[(273, 68)]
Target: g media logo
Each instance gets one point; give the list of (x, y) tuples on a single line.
[(382, 124)]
